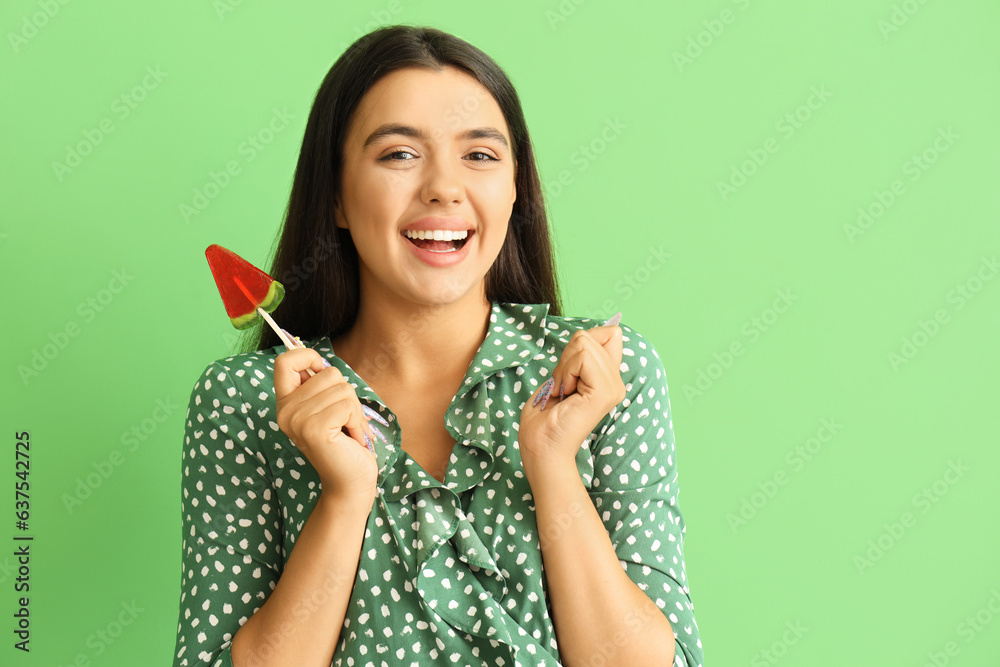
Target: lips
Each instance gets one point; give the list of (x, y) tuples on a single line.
[(439, 253)]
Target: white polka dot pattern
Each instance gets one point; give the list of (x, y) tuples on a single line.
[(450, 572)]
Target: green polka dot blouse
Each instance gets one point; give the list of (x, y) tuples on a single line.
[(450, 572)]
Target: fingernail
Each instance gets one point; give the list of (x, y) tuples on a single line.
[(371, 413), (543, 394), (380, 435), (615, 319), (562, 392)]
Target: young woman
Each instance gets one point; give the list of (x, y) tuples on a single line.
[(520, 505)]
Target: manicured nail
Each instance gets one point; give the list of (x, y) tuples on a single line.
[(543, 394), (538, 396), (371, 413), (542, 391), (615, 319), (562, 392), (380, 435)]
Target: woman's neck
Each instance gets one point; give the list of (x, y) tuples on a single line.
[(410, 344)]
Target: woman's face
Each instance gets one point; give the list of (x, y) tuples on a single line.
[(428, 153)]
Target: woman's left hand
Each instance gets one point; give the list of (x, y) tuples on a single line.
[(553, 429)]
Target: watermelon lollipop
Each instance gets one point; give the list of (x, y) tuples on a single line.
[(244, 288)]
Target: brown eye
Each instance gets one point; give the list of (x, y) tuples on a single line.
[(392, 156)]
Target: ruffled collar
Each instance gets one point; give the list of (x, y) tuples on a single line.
[(447, 539)]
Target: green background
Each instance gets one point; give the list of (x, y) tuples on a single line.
[(632, 142)]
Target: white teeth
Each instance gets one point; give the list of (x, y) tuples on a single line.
[(437, 235)]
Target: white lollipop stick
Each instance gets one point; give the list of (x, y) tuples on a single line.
[(292, 344)]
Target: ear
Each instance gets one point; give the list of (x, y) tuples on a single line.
[(514, 189), (338, 214)]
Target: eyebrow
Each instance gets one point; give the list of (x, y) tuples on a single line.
[(407, 131)]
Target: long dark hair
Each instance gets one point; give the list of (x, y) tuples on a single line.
[(317, 262)]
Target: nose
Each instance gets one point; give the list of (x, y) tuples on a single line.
[(442, 182)]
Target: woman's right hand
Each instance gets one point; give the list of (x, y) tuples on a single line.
[(314, 412)]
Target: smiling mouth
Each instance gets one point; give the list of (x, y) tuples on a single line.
[(438, 245)]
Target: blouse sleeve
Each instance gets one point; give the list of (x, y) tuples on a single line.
[(231, 525), (635, 492)]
